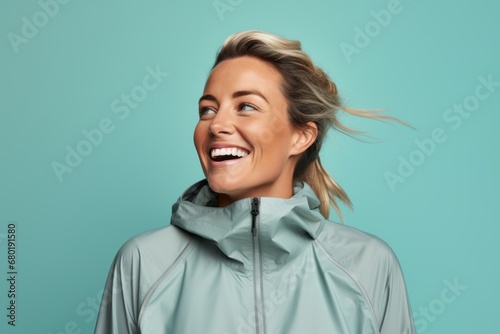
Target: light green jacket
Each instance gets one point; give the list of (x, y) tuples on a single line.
[(261, 265)]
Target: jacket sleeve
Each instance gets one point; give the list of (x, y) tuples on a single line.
[(396, 317), (118, 312)]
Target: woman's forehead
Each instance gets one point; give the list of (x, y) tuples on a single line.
[(244, 73)]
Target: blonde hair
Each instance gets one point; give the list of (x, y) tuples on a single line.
[(311, 97)]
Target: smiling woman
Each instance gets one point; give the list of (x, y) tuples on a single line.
[(250, 248), (242, 97)]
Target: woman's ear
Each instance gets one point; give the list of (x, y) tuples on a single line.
[(303, 138)]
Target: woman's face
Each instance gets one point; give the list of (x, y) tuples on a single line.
[(245, 142)]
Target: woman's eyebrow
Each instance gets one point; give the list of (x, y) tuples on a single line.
[(249, 92), (207, 97), (235, 95)]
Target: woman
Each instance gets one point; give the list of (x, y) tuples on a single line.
[(249, 249)]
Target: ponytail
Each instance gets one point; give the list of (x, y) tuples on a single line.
[(325, 188)]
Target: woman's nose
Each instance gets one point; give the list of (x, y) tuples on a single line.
[(222, 123)]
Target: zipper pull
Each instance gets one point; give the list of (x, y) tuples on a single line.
[(254, 212)]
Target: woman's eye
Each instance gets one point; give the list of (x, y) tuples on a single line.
[(205, 111), (246, 107)]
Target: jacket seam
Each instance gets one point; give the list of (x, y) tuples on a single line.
[(154, 287), (356, 281)]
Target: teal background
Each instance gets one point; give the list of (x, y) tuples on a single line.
[(442, 222)]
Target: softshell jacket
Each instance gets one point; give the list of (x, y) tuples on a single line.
[(259, 265)]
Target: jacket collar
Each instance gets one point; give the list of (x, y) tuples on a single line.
[(286, 226)]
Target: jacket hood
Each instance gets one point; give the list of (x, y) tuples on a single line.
[(286, 225)]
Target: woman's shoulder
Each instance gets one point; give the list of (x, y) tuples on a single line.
[(157, 248), (342, 235), (359, 252)]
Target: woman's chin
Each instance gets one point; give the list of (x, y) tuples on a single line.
[(223, 183)]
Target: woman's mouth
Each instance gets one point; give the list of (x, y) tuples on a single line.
[(227, 153)]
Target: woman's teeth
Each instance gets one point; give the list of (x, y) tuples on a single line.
[(227, 153)]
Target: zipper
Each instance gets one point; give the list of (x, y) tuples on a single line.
[(257, 269), (255, 213)]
